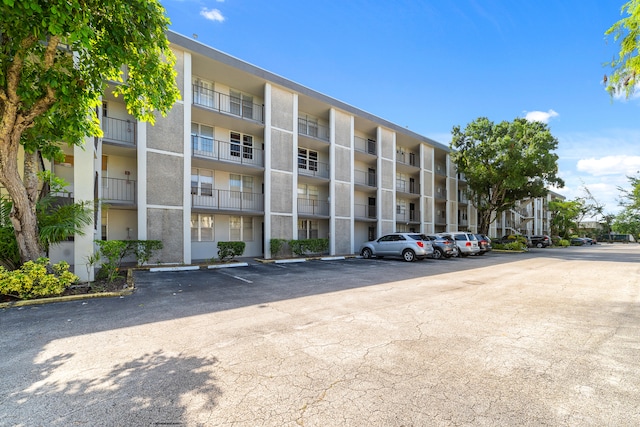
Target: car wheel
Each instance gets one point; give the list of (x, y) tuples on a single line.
[(539, 245), (366, 253), (408, 255), (437, 253)]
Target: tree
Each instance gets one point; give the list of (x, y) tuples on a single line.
[(565, 215), (627, 222), (55, 58), (504, 163), (56, 221), (626, 66)]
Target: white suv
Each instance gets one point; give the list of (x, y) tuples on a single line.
[(467, 243)]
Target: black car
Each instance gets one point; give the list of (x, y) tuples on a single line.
[(484, 242), (542, 241), (443, 247)]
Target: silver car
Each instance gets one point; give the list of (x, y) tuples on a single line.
[(409, 246), (467, 243)]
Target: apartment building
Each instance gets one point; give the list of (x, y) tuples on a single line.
[(530, 217), (247, 155)]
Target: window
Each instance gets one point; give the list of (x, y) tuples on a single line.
[(201, 139), (241, 104), (104, 109), (307, 229), (309, 192), (201, 182), (241, 145), (240, 229), (307, 159), (201, 228), (203, 93), (401, 207)]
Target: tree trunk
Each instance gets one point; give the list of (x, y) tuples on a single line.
[(485, 222)]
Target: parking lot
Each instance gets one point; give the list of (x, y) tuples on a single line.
[(549, 337)]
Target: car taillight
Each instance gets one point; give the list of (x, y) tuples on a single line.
[(420, 244), (468, 244)]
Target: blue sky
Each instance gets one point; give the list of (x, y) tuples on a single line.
[(430, 65)]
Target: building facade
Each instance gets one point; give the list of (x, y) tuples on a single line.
[(247, 155)]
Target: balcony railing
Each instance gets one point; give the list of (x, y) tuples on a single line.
[(226, 151), (410, 216), (441, 169), (224, 103), (313, 207), (313, 168), (118, 130), (407, 186), (365, 178), (365, 211), (365, 145), (313, 129), (228, 200), (407, 158), (118, 190)]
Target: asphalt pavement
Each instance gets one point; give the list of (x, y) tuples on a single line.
[(549, 337)]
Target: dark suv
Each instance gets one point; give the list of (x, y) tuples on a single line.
[(540, 241)]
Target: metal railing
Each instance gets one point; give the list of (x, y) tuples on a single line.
[(365, 178), (407, 216), (118, 130), (364, 145), (228, 200), (313, 129), (313, 168), (313, 207), (210, 148), (224, 103), (118, 190), (407, 186), (410, 159), (364, 211)]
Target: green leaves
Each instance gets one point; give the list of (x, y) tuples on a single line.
[(504, 163)]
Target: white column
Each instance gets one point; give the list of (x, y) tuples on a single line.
[(267, 171), (186, 202), (332, 181), (84, 177)]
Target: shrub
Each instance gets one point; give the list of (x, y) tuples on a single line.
[(276, 245), (116, 250), (36, 279), (309, 246), (564, 243), (144, 249), (229, 250)]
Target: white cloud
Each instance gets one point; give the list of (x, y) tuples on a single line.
[(212, 14), (540, 116), (610, 165)]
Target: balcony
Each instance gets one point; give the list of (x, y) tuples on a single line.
[(365, 145), (407, 186), (120, 191), (407, 159), (365, 212), (239, 201), (365, 178), (313, 168), (119, 131), (312, 207), (226, 151), (313, 129), (408, 216), (227, 104)]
